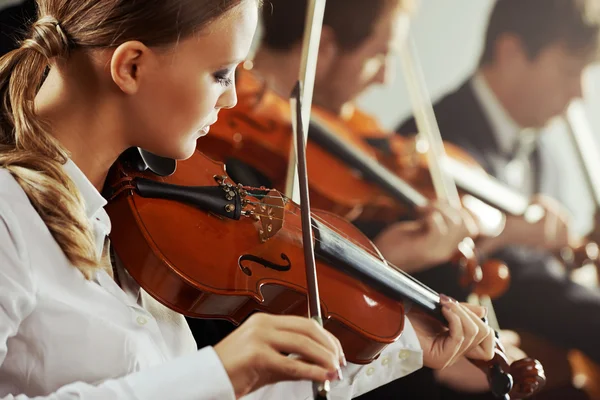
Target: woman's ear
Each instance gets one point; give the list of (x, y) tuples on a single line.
[(128, 64)]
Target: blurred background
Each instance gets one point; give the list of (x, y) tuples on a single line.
[(448, 36)]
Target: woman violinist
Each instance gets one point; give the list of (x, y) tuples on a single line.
[(356, 53), (91, 80)]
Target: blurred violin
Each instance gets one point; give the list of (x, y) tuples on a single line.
[(345, 176)]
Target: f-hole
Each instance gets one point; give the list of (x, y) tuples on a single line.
[(248, 258)]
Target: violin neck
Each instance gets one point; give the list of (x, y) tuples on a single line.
[(379, 275), (486, 188), (370, 168)]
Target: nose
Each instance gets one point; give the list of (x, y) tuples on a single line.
[(386, 73), (577, 91), (229, 98)]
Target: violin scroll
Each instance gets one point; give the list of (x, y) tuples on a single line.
[(495, 280), (519, 380), (492, 279), (529, 378)]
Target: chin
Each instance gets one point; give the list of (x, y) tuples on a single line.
[(187, 151), (178, 153)]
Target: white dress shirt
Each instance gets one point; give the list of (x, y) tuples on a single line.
[(514, 142), (65, 337)]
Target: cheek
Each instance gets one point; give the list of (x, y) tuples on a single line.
[(353, 79), (171, 111), (540, 87), (555, 93), (188, 103)]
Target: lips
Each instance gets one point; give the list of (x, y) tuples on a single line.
[(204, 131)]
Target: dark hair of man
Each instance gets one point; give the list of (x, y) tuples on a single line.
[(352, 21), (540, 23)]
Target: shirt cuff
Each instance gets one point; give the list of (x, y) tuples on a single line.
[(397, 360), (198, 376)]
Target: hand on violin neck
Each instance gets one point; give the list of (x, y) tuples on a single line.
[(254, 354), (466, 335), (433, 239), (466, 377)]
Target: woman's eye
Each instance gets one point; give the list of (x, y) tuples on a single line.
[(223, 78)]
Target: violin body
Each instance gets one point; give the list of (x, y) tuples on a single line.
[(206, 248), (206, 265)]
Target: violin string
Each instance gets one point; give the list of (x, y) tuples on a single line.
[(326, 223), (342, 238), (268, 205), (339, 240)]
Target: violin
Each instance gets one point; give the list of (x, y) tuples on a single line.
[(257, 133), (208, 248)]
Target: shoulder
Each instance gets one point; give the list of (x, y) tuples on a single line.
[(450, 110)]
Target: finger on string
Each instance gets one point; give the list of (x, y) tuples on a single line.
[(471, 323), (485, 341), (486, 336), (477, 310), (455, 337), (469, 329)]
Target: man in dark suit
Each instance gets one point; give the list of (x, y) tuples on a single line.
[(530, 70)]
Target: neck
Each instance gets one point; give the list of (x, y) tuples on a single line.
[(506, 92), (281, 70), (84, 125)]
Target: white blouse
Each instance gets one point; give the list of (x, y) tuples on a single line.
[(65, 337)]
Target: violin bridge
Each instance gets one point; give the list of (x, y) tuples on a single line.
[(270, 212)]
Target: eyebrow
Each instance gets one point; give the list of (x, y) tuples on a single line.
[(228, 65)]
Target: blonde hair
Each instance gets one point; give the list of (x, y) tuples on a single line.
[(27, 148)]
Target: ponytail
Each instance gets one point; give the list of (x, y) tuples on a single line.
[(32, 155)]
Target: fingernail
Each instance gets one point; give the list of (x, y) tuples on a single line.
[(332, 375), (344, 362), (340, 376)]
